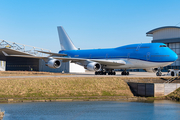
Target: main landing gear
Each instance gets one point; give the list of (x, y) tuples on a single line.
[(124, 72), (100, 73), (111, 72)]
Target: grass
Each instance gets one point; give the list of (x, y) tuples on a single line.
[(27, 73), (62, 87), (174, 95), (145, 79)]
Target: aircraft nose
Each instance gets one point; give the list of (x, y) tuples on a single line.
[(174, 56)]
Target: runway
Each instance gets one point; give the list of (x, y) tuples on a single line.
[(90, 74)]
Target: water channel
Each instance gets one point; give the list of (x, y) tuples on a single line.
[(96, 110)]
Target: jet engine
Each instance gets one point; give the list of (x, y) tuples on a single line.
[(54, 63), (151, 70), (94, 66)]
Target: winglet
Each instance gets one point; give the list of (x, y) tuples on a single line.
[(5, 54)]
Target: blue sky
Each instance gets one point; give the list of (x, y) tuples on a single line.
[(89, 23)]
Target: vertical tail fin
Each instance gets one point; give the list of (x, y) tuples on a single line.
[(65, 41)]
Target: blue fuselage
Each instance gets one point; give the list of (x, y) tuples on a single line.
[(152, 52)]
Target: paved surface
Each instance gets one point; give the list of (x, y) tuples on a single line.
[(90, 74)]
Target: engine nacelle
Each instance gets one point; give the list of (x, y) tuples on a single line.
[(94, 66), (151, 70), (54, 63)]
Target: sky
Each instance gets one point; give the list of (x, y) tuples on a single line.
[(90, 24)]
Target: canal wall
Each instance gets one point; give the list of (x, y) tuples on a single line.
[(152, 89)]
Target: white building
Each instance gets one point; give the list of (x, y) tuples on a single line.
[(2, 65)]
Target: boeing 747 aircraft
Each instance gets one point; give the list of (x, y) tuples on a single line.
[(148, 56)]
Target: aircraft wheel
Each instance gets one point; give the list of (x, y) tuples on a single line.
[(100, 73), (122, 73), (158, 74), (172, 73), (127, 73), (110, 73), (103, 73)]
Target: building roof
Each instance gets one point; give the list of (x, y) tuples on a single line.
[(161, 28)]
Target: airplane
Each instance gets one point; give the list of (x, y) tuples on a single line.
[(148, 56)]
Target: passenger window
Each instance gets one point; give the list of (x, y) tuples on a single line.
[(162, 46)]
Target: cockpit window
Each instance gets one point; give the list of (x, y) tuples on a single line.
[(162, 46)]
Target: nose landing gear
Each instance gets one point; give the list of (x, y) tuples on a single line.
[(159, 73)]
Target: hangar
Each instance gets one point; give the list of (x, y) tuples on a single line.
[(28, 64), (170, 35)]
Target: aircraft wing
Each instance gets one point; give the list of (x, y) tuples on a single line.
[(101, 61), (10, 51), (39, 57), (52, 54), (109, 62)]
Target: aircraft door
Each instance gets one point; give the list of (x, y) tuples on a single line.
[(128, 56), (106, 56), (148, 56)]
